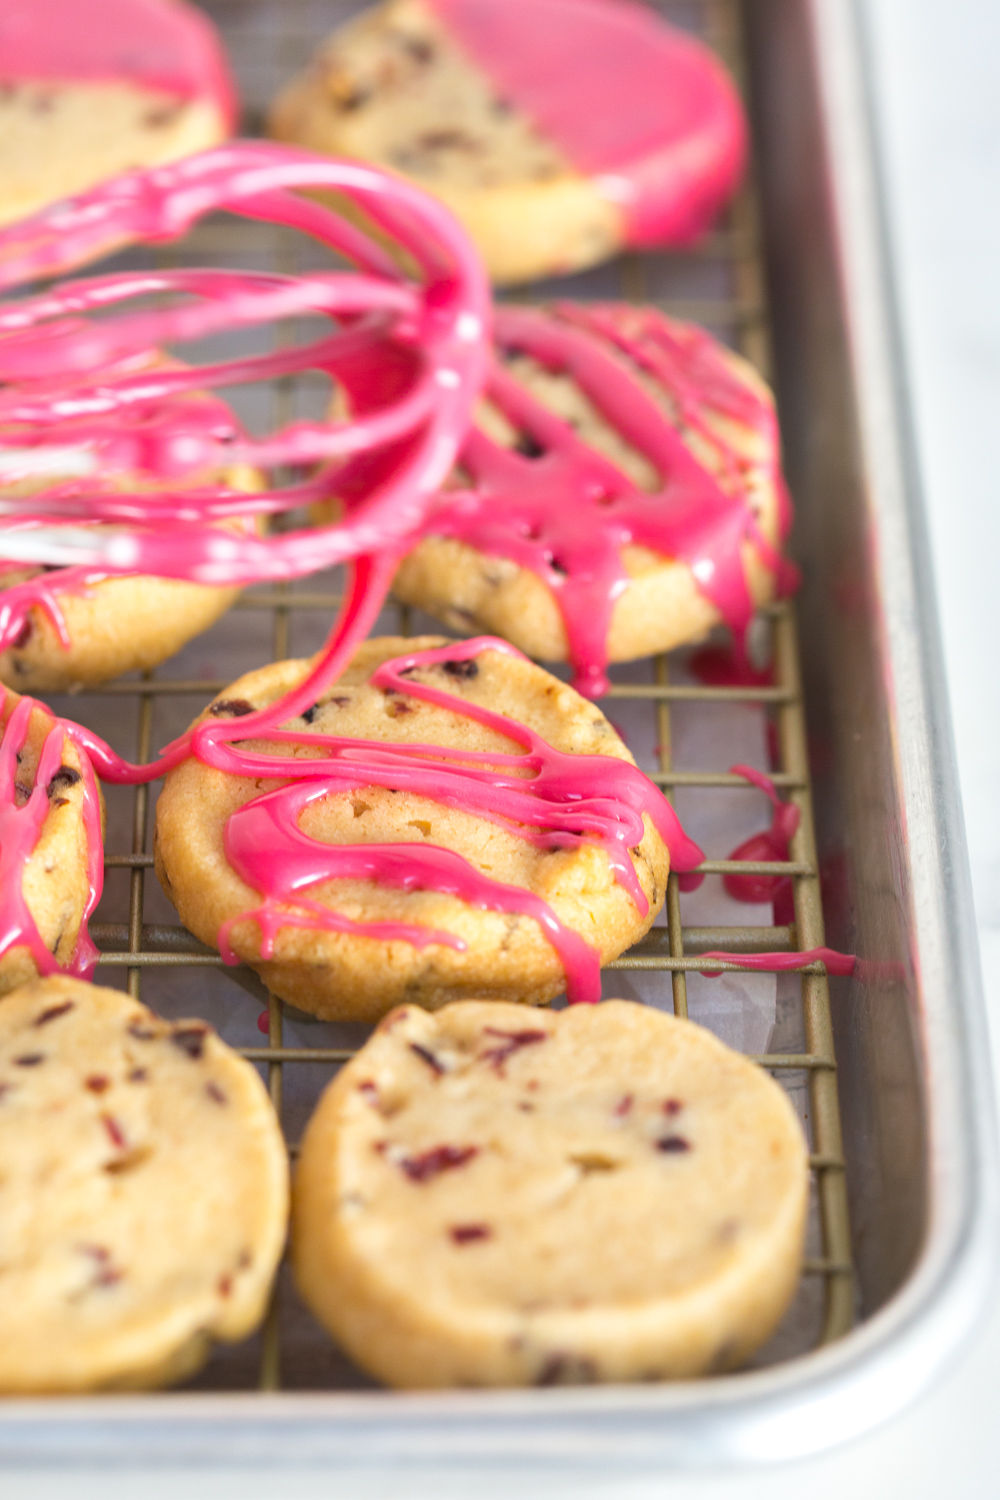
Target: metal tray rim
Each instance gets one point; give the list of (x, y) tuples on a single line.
[(821, 1398)]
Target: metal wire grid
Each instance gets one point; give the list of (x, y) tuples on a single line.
[(139, 947)]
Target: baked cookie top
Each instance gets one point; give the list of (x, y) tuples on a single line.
[(600, 1193), (556, 129), (143, 1191), (452, 809)]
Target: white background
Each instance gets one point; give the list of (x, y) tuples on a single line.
[(938, 76)]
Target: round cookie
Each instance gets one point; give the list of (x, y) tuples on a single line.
[(143, 1192), (605, 1194), (50, 843), (91, 90), (543, 557), (77, 633), (634, 136), (456, 946)]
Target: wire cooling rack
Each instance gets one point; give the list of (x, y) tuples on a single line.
[(720, 284)]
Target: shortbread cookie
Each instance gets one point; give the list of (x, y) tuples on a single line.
[(601, 1194), (557, 130), (143, 1192), (51, 855), (621, 496), (75, 632), (91, 90), (440, 887)]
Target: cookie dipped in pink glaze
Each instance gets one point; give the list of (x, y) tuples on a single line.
[(89, 90), (645, 111)]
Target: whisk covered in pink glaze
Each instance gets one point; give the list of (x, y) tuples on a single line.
[(410, 351)]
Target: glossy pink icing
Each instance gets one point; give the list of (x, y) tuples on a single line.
[(164, 44), (771, 844), (841, 965), (20, 830), (646, 111), (567, 513), (567, 800)]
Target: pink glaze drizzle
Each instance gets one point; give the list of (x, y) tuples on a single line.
[(164, 44), (20, 830), (647, 112), (840, 964), (567, 513), (568, 801)]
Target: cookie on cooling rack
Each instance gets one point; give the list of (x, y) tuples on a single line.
[(600, 1194), (622, 493), (50, 838), (143, 1192), (495, 915), (91, 90), (75, 633), (557, 130)]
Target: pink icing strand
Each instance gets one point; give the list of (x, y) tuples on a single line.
[(647, 112), (567, 513), (164, 44), (20, 830)]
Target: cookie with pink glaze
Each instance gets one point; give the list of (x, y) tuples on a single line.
[(63, 629), (91, 90), (604, 1193), (415, 881), (51, 854), (558, 131), (621, 494), (143, 1192)]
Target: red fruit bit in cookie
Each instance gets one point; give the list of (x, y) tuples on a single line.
[(467, 1234), (672, 1106), (190, 1039), (438, 1159), (673, 1144), (115, 1133), (624, 1105), (214, 1092), (224, 1286), (30, 1059), (138, 1075), (512, 1042), (428, 1057), (97, 1083), (53, 1012), (105, 1274), (368, 1092)]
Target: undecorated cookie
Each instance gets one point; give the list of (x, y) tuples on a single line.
[(89, 90), (143, 1192), (404, 863), (557, 130), (51, 852), (600, 1194)]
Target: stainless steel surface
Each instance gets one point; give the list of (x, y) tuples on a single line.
[(917, 1115)]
